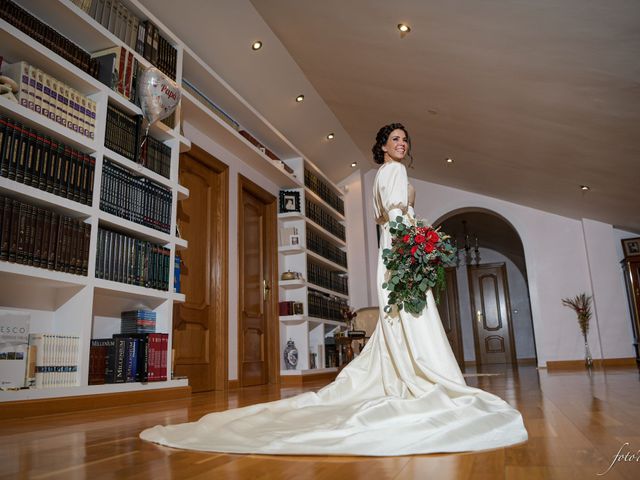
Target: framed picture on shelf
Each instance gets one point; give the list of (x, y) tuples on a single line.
[(631, 246), (290, 201), (294, 240)]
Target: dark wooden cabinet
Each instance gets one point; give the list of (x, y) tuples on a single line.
[(631, 269)]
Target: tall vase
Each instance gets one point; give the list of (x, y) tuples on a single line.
[(588, 361)]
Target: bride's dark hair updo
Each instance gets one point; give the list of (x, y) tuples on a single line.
[(383, 136)]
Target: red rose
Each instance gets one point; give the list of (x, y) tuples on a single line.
[(429, 247), (433, 236), (406, 238), (401, 251), (420, 239), (414, 249)]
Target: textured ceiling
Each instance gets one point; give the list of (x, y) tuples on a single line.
[(530, 98)]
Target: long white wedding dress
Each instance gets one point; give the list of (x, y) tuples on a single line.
[(404, 394)]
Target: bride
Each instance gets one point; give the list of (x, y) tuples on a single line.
[(404, 394)]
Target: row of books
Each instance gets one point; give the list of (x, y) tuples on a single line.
[(135, 198), (326, 249), (141, 36), (53, 99), (325, 306), (52, 361), (119, 70), (124, 259), (138, 321), (290, 308), (124, 136), (47, 36), (129, 358), (322, 188), (31, 158), (320, 276), (322, 217), (42, 238)]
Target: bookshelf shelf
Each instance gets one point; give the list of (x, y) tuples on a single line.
[(183, 192), (314, 196), (325, 262), (290, 216), (291, 250), (47, 126), (125, 290), (289, 284), (181, 243), (139, 231), (35, 276), (178, 297), (44, 199), (40, 393), (196, 114), (327, 290), (137, 168), (323, 233)]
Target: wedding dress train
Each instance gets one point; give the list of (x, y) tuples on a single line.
[(404, 394)]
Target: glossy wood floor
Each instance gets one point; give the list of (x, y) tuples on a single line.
[(577, 424)]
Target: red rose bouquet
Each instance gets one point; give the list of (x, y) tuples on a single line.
[(415, 262)]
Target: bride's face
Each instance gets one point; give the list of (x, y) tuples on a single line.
[(396, 147)]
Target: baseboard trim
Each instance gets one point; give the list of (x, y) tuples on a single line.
[(521, 361), (300, 380), (597, 362), (50, 406)]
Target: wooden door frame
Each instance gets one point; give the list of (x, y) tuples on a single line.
[(472, 304), (271, 250), (219, 334), (456, 303)]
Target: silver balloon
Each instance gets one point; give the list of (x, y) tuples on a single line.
[(159, 95)]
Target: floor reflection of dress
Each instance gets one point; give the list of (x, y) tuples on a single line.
[(404, 394)]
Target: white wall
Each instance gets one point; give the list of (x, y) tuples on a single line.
[(557, 267), (236, 166), (359, 293)]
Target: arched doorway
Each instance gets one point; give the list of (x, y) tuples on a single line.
[(491, 290)]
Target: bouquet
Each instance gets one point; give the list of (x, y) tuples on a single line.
[(415, 262), (581, 304)]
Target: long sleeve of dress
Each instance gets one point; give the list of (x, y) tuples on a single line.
[(391, 192)]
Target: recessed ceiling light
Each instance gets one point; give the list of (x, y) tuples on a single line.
[(585, 188), (331, 136), (257, 45), (404, 28), (354, 164), (449, 160), (299, 98)]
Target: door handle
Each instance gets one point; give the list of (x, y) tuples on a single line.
[(265, 290)]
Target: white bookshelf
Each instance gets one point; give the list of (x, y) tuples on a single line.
[(87, 306), (63, 303), (310, 334)]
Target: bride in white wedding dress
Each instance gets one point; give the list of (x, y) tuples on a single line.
[(404, 394)]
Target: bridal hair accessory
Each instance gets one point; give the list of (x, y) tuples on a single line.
[(415, 263)]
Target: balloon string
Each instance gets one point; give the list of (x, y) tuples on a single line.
[(146, 135)]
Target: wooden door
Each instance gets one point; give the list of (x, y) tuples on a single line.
[(491, 314), (256, 254), (449, 311), (200, 324)]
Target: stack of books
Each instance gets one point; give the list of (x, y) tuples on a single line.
[(124, 136), (322, 217), (47, 36), (31, 158), (52, 98), (124, 259), (138, 321), (323, 190), (140, 35), (129, 358), (40, 237), (135, 198)]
